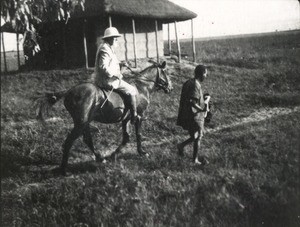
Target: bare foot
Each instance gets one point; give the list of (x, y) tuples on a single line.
[(203, 161), (196, 161)]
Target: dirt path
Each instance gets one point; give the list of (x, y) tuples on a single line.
[(257, 116)]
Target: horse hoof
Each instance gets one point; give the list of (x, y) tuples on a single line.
[(143, 153), (60, 171), (180, 150), (144, 118), (135, 119), (197, 162), (203, 161), (112, 158), (99, 159)]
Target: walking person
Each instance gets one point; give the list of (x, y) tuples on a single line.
[(192, 112), (108, 70)]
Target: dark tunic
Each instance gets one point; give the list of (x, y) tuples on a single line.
[(188, 117)]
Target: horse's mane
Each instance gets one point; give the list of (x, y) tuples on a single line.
[(139, 76)]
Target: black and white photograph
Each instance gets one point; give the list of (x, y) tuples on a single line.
[(150, 113)]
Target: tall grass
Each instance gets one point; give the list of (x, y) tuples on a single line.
[(252, 179)]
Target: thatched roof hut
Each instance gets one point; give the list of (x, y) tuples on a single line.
[(162, 10), (8, 28), (139, 21)]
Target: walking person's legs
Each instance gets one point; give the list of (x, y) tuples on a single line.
[(197, 141), (181, 146), (196, 134)]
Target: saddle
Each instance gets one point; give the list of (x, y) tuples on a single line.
[(107, 92)]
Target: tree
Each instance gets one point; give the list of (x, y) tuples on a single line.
[(25, 16)]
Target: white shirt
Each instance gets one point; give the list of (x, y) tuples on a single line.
[(107, 67)]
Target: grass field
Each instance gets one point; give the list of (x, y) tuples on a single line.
[(252, 143)]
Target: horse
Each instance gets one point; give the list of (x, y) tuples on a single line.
[(87, 102)]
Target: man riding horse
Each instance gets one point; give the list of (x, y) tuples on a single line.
[(107, 71), (86, 102)]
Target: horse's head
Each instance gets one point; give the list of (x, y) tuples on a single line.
[(162, 79), (155, 76)]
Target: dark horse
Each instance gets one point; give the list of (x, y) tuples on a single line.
[(87, 102)]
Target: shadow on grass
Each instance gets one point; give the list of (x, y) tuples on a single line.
[(167, 160), (42, 169), (83, 167), (17, 165)]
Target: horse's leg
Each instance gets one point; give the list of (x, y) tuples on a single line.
[(125, 131), (138, 134), (75, 133), (125, 139), (87, 138)]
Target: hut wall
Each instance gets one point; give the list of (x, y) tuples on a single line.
[(145, 38), (95, 27), (63, 44), (52, 44), (74, 44)]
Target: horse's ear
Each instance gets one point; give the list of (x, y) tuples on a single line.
[(163, 65)]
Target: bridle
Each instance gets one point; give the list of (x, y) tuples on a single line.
[(159, 82)]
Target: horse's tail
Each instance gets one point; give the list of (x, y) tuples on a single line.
[(47, 101)]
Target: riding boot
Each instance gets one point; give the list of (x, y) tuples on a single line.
[(133, 111)]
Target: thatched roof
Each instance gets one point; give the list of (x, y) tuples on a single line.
[(163, 10)]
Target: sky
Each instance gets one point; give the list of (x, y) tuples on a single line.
[(233, 17), (227, 17)]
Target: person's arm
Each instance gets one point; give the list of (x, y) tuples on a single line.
[(196, 106), (123, 64), (206, 101), (195, 97)]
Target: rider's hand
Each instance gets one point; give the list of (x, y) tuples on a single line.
[(124, 64)]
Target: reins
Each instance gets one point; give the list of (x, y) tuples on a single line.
[(107, 97), (141, 78)]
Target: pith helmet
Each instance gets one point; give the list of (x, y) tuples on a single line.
[(111, 32)]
